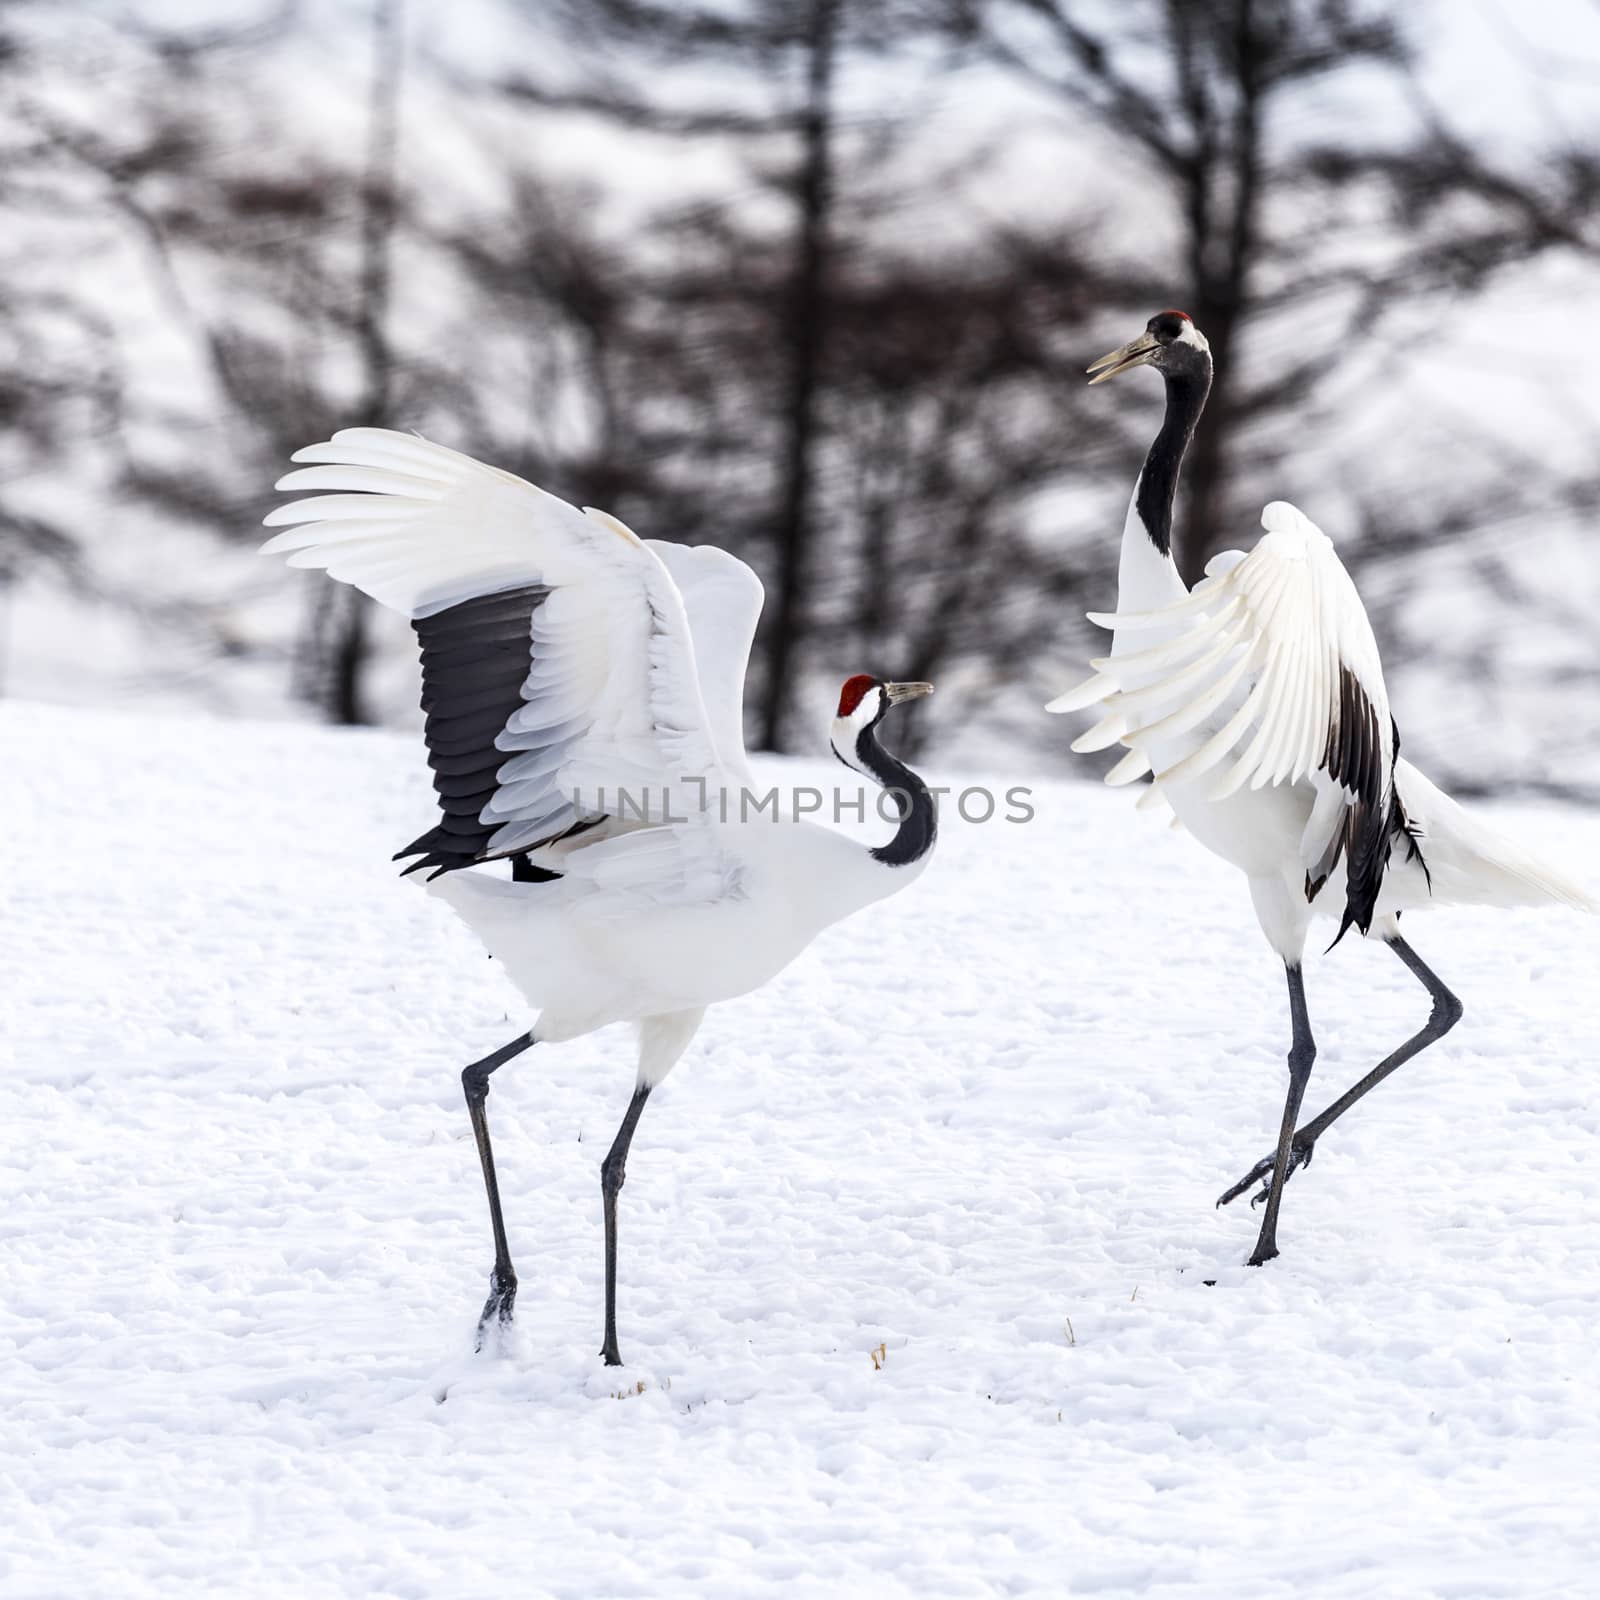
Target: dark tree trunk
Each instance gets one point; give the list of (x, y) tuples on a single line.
[(378, 206), (351, 650), (345, 647), (804, 337), (1221, 245), (1202, 529)]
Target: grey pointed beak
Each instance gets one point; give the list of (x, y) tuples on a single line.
[(1133, 354), (906, 691)]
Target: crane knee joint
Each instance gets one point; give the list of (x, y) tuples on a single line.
[(1301, 1059)]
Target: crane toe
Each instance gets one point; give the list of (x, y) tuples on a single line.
[(1300, 1154)]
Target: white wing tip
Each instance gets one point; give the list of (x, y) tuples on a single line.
[(1105, 733), (1133, 765), (1090, 692)]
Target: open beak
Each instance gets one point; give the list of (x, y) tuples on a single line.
[(1132, 355), (906, 691)]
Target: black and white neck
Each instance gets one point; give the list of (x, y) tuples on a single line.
[(1188, 384), (855, 743)]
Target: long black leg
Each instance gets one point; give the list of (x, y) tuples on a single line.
[(1302, 1052), (612, 1172), (503, 1281), (1444, 1015)]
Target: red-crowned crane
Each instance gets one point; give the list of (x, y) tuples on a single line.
[(1258, 703), (584, 694)]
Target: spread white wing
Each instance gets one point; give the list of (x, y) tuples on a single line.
[(560, 678), (1267, 674), (723, 599)]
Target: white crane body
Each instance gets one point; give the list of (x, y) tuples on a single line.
[(1276, 833), (583, 962), (1258, 706), (584, 692)]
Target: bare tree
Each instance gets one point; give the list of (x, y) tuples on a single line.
[(821, 345), (334, 646), (787, 281), (1231, 199), (271, 262)]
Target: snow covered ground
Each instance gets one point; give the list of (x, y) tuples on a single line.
[(978, 1132)]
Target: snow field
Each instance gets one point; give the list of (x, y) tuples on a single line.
[(914, 1243)]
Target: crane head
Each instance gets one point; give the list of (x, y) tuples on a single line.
[(1170, 343), (862, 702)]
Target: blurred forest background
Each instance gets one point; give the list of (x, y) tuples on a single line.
[(816, 280)]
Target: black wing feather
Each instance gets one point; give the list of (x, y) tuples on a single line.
[(475, 656), (1373, 821), (1353, 758)]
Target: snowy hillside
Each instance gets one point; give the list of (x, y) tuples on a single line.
[(978, 1132)]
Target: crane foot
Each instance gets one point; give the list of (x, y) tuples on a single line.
[(498, 1307), (1300, 1154)]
